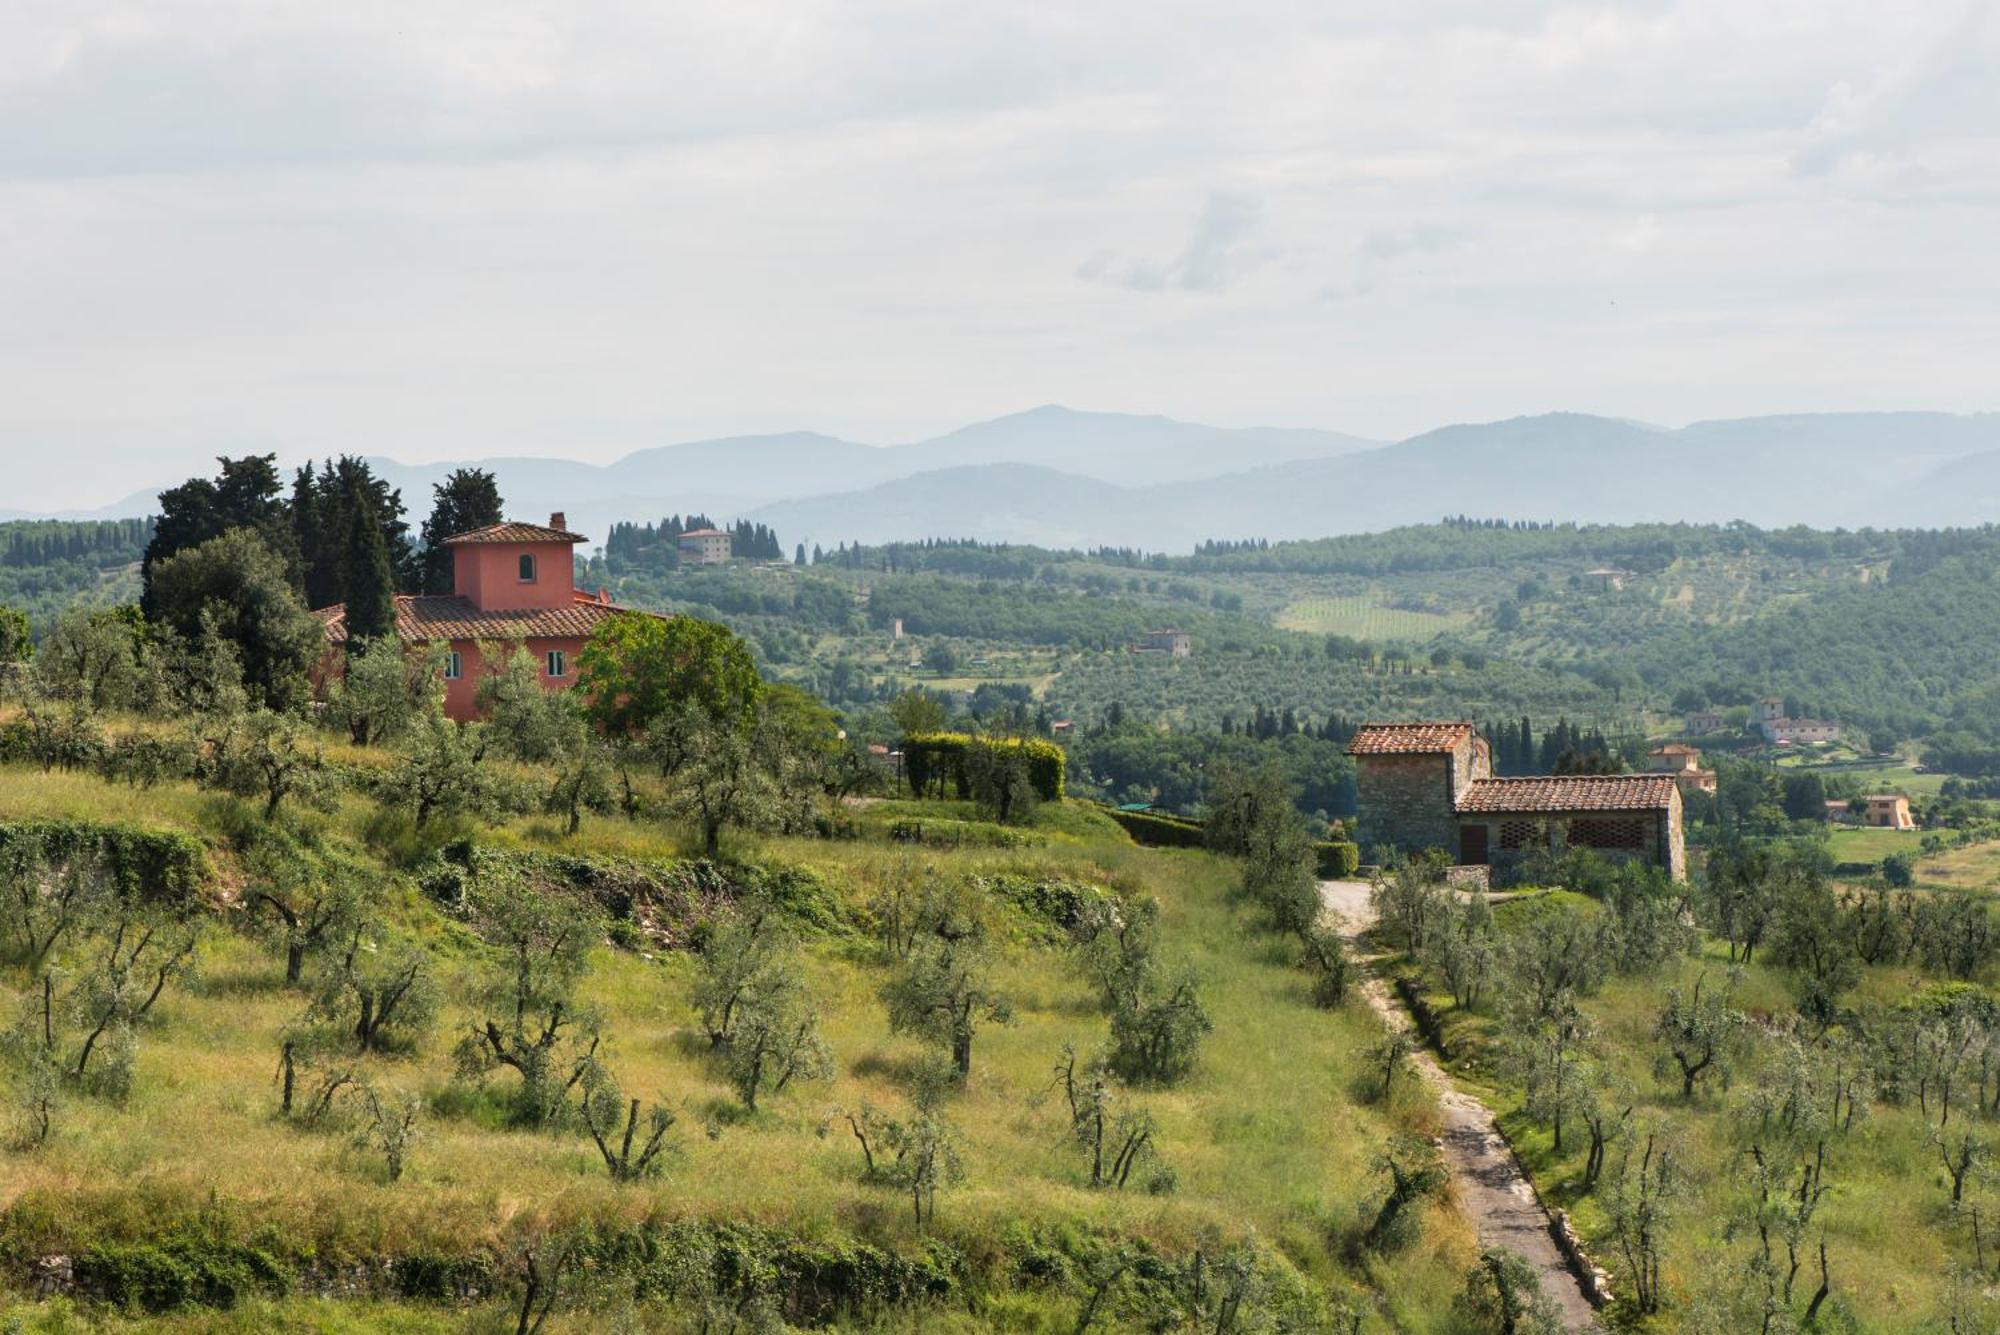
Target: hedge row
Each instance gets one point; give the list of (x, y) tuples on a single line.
[(143, 864), (932, 760), (1336, 859), (1157, 831), (811, 1282), (672, 902), (806, 1283)]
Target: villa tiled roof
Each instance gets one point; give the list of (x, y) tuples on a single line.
[(1573, 792), (512, 532), (1407, 739), (422, 617)]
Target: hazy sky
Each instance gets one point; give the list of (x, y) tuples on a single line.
[(467, 227)]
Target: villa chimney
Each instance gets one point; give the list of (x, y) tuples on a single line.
[(602, 596), (556, 520)]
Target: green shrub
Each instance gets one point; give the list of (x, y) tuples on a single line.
[(423, 1277), (182, 1272), (952, 833), (156, 865), (1054, 900), (932, 760), (663, 902), (1154, 830), (1337, 859)]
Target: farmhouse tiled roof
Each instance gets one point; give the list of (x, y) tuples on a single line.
[(1574, 792), (1407, 739), (704, 533), (445, 616), (512, 532)]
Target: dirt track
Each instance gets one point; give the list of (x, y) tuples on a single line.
[(1487, 1182)]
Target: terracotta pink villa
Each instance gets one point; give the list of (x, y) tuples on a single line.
[(510, 583)]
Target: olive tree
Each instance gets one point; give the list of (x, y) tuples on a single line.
[(524, 719), (534, 1024), (115, 976), (438, 775), (373, 986), (309, 901), (1157, 1028), (942, 993), (716, 778), (1411, 900), (391, 1128), (89, 660), (603, 1108), (1503, 1295), (777, 1041), (1116, 1141), (384, 688), (1415, 1173), (272, 758), (1700, 1032)]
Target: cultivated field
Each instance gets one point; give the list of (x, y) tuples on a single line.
[(1366, 617)]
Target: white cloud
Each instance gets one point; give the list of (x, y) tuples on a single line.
[(458, 229), (1215, 255)]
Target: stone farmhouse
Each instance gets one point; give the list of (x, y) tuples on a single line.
[(1425, 786), (511, 583)]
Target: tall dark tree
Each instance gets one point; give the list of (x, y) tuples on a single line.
[(311, 512), (368, 579), (323, 516), (244, 494), (466, 500)]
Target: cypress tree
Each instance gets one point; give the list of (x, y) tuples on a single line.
[(370, 580)]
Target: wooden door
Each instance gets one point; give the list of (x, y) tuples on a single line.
[(1472, 845)]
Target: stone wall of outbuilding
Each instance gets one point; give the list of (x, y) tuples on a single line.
[(1409, 802)]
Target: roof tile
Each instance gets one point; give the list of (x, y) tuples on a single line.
[(421, 617), (1571, 792), (512, 532), (1407, 739)]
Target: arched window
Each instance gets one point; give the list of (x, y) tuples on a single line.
[(527, 567)]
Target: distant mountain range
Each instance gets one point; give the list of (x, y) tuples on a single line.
[(1060, 477)]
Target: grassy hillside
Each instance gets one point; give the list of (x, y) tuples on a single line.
[(1271, 1143), (1833, 1124)]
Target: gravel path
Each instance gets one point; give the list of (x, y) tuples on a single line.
[(1487, 1181)]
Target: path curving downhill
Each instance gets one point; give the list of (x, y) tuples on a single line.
[(1491, 1188)]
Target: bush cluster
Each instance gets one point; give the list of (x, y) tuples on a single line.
[(934, 759)]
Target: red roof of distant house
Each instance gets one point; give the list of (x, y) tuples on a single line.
[(1571, 792), (1407, 739), (446, 616), (704, 533), (512, 532)]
